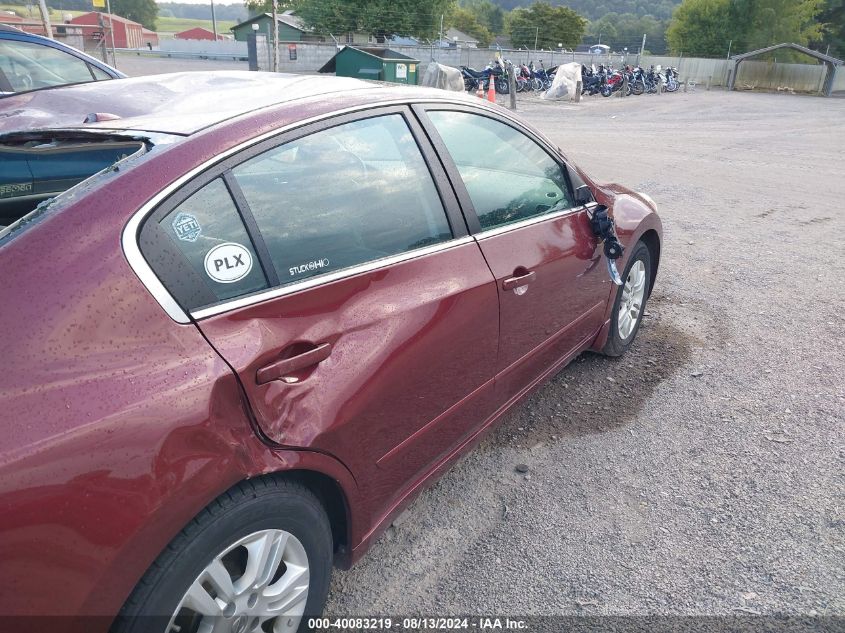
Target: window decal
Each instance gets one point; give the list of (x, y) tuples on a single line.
[(316, 264), (228, 263), (186, 227)]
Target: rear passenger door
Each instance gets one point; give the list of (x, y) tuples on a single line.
[(332, 269)]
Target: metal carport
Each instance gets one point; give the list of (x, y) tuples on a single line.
[(830, 62)]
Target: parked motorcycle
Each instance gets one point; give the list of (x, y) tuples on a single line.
[(672, 83), (613, 83), (545, 76), (473, 78), (591, 81), (540, 79), (500, 76), (523, 78)]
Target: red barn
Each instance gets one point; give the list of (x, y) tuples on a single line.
[(150, 38), (29, 25), (127, 34), (197, 33), (9, 18)]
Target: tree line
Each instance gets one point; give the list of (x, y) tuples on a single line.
[(708, 28), (693, 27), (696, 28)]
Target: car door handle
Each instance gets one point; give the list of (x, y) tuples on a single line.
[(515, 282), (280, 369)]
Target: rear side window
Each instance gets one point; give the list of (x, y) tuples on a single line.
[(207, 229), (343, 196)]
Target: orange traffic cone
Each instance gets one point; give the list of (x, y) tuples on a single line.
[(491, 90), (480, 92)]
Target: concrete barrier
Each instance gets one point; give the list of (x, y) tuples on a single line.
[(839, 82), (204, 47)]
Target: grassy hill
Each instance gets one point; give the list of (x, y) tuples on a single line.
[(163, 25), (56, 16), (175, 25)]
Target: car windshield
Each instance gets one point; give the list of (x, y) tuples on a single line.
[(28, 66)]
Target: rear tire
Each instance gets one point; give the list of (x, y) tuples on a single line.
[(275, 518), (629, 304)]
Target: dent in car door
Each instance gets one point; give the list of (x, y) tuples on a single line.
[(552, 287), (379, 343)]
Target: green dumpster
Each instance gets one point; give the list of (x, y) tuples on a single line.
[(373, 63)]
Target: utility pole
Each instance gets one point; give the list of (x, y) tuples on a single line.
[(111, 33), (439, 41), (213, 21), (511, 72), (45, 18), (599, 37), (642, 46), (536, 37), (275, 37), (727, 64)]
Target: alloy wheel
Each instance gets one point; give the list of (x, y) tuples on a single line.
[(259, 584), (632, 300)]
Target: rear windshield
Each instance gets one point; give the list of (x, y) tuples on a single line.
[(37, 167)]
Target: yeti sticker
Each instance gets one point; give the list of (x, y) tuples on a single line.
[(186, 227), (228, 263)]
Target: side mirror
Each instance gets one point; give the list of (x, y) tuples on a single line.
[(583, 195)]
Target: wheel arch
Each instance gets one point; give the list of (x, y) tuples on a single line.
[(335, 502), (652, 241)]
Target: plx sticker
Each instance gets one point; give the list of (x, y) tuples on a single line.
[(228, 263)]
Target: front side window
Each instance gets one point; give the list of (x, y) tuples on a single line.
[(508, 176), (343, 196), (208, 231), (98, 73), (28, 66)]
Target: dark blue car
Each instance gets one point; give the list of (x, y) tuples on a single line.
[(31, 62)]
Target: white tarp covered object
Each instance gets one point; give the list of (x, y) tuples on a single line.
[(445, 77), (563, 85)]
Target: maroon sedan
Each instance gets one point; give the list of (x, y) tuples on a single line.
[(247, 318)]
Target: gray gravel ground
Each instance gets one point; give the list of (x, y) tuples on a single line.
[(135, 65), (703, 472)]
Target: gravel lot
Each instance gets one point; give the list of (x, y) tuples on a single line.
[(703, 472), (136, 65)]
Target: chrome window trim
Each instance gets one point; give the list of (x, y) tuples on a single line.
[(129, 237), (145, 273), (505, 228), (319, 280)]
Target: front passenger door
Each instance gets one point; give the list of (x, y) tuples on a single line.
[(552, 287)]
